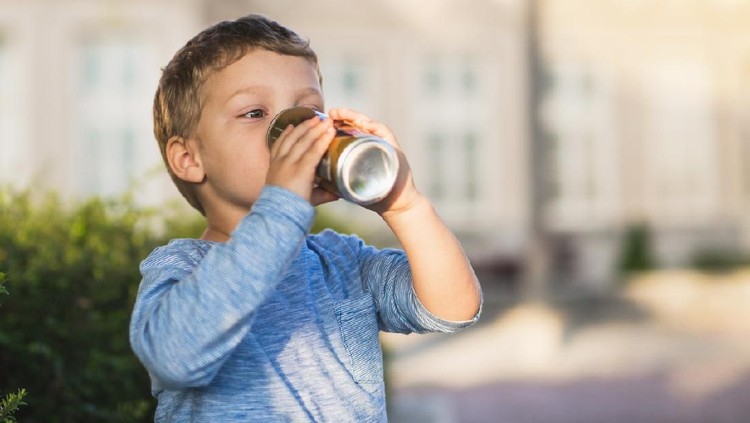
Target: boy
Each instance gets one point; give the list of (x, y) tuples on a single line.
[(258, 321)]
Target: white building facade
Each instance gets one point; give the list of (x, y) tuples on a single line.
[(76, 86), (642, 120), (646, 112), (450, 82)]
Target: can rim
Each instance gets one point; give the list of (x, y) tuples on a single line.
[(290, 116)]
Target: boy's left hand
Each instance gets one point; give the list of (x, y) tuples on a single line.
[(442, 277), (404, 194)]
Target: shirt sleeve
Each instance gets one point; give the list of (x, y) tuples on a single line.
[(191, 312), (387, 276)]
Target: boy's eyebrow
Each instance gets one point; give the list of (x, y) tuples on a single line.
[(309, 91), (262, 90), (255, 89)]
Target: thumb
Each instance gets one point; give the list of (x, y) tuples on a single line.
[(321, 196)]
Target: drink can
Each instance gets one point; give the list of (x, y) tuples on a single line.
[(358, 167)]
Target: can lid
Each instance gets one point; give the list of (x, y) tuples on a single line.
[(369, 172), (291, 116)]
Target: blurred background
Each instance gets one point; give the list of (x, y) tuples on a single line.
[(592, 156)]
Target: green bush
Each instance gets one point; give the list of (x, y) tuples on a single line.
[(636, 254), (718, 260), (10, 403), (73, 272)]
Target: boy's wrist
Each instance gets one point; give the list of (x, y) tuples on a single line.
[(281, 191), (280, 201), (416, 207)]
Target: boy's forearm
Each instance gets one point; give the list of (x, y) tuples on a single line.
[(443, 278), (184, 331)]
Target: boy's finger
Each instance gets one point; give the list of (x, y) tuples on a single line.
[(276, 145), (363, 123), (286, 143), (320, 134), (345, 114), (312, 153), (352, 116), (377, 129)]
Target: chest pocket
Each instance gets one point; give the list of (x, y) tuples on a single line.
[(359, 328)]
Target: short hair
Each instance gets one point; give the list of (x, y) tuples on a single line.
[(179, 100)]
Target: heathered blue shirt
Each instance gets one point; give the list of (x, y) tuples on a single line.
[(273, 325)]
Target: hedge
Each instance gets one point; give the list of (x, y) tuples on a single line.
[(72, 270)]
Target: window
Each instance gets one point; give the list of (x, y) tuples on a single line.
[(14, 165), (114, 88), (453, 166), (433, 78), (346, 82), (450, 120), (350, 80), (471, 181), (468, 79), (552, 183), (680, 156), (581, 150), (745, 135), (436, 150)]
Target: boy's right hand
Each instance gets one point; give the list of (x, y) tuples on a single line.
[(295, 155)]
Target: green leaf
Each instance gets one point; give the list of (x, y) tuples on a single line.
[(9, 405)]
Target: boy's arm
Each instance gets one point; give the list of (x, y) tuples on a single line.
[(184, 328), (443, 279), (188, 318)]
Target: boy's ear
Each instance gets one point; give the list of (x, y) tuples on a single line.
[(184, 159)]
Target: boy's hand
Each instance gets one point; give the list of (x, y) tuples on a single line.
[(294, 156), (404, 194), (442, 276)]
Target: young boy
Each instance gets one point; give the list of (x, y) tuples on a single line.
[(257, 320)]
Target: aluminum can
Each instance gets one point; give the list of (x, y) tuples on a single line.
[(359, 167)]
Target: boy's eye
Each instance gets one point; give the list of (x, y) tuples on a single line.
[(255, 114)]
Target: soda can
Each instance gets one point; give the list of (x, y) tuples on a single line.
[(359, 167)]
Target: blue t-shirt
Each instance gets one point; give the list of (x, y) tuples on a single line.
[(273, 325)]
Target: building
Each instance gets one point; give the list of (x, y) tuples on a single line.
[(76, 86), (641, 114), (645, 121), (451, 83)]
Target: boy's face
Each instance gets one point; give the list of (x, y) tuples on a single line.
[(240, 101)]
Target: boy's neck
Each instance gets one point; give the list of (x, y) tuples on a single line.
[(216, 235), (221, 223)]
